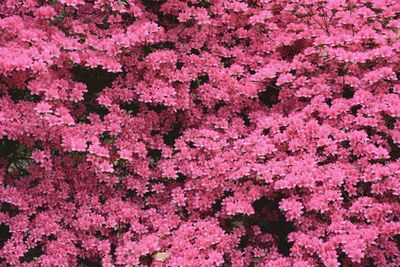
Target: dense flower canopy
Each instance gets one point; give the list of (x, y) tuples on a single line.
[(200, 133)]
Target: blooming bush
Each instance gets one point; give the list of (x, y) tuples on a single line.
[(200, 133)]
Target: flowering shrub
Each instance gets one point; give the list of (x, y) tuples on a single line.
[(200, 133)]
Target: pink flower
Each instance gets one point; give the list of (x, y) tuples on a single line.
[(126, 154), (46, 12), (199, 133), (43, 107), (293, 209)]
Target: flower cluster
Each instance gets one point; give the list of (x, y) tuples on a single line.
[(200, 133)]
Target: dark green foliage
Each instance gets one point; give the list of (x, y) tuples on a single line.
[(83, 262), (9, 209), (269, 97), (32, 254), (17, 156), (18, 95), (279, 228), (201, 79), (155, 155), (348, 92), (226, 62), (96, 79), (5, 234), (148, 49), (173, 134)]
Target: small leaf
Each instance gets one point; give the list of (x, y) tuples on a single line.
[(161, 256), (238, 223)]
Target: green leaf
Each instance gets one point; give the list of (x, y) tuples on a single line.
[(238, 223), (161, 256)]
